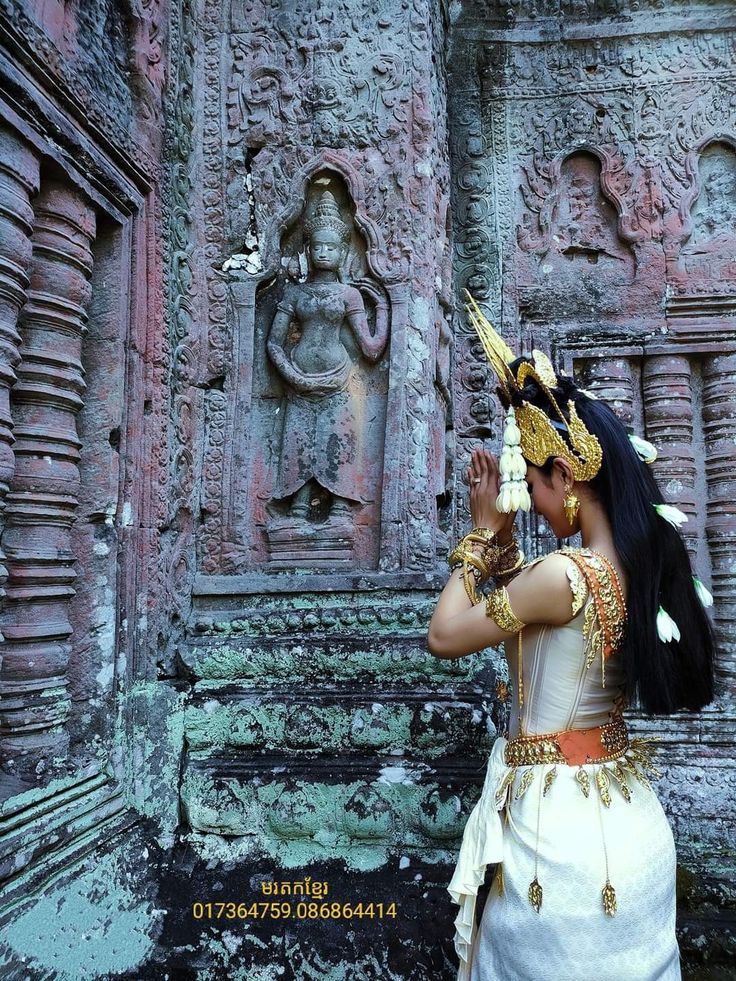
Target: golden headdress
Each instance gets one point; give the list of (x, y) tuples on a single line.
[(529, 432)]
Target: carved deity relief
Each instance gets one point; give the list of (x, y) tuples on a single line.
[(322, 438), (584, 223), (317, 74), (582, 231), (325, 343), (582, 255), (710, 250)]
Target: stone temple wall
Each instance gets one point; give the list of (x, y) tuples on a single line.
[(237, 395), (594, 182), (82, 402)]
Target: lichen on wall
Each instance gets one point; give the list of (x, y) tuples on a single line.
[(94, 924)]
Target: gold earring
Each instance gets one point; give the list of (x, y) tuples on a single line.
[(571, 505)]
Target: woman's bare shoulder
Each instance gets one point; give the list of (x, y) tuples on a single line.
[(550, 589)]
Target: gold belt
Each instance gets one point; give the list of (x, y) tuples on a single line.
[(571, 746)]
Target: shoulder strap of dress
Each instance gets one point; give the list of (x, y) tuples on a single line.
[(604, 622)]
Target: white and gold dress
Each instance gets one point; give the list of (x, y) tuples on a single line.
[(585, 880)]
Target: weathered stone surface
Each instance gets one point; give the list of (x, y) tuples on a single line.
[(44, 490), (20, 173), (236, 398)]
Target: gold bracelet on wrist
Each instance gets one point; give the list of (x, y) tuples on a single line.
[(504, 575), (486, 535), (494, 559), (504, 558), (465, 547), (478, 565), (475, 567), (486, 539)]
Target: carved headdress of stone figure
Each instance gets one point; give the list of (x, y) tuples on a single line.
[(326, 214)]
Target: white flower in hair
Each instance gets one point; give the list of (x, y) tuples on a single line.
[(513, 492), (704, 595), (645, 450), (666, 626), (670, 513)]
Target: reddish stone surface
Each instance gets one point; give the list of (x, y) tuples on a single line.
[(44, 489), (210, 583)]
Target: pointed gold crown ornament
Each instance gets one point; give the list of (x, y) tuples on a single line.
[(529, 433)]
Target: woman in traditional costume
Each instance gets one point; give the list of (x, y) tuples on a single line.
[(584, 883)]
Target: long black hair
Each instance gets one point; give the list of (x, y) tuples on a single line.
[(663, 676)]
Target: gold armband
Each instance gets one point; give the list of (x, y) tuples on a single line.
[(498, 608)]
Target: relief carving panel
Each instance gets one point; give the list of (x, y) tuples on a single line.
[(310, 492), (333, 91), (328, 444), (704, 260), (578, 245)]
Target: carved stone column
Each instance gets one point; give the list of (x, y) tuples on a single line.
[(43, 494), (18, 182), (719, 425), (668, 414), (612, 379)]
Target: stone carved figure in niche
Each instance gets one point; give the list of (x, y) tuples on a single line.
[(323, 430), (711, 248), (585, 222), (579, 260)]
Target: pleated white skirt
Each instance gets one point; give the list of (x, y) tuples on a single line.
[(568, 841)]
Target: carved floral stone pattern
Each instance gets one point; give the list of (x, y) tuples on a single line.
[(237, 396)]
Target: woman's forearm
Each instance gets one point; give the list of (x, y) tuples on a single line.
[(453, 600)]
